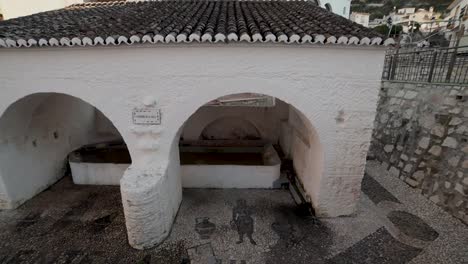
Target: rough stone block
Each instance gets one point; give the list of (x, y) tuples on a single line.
[(462, 130), (450, 101), (427, 120), (404, 157), (388, 148), (447, 184), (465, 149), (385, 165), (453, 161), (394, 171), (400, 93), (394, 101), (465, 164), (438, 130), (383, 118), (413, 183), (408, 168), (453, 92), (408, 113), (424, 142), (419, 175), (410, 95), (435, 199), (455, 121), (450, 142), (455, 110), (465, 181), (435, 150), (459, 188)]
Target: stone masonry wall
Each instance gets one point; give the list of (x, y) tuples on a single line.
[(421, 136)]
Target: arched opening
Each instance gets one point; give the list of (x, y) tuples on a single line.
[(230, 128), (250, 140), (328, 7), (45, 136)]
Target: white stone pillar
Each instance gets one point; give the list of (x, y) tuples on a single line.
[(151, 197)]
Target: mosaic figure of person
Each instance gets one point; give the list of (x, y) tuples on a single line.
[(243, 221)]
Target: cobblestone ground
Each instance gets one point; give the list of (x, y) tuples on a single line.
[(85, 224)]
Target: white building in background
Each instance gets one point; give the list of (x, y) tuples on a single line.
[(360, 18), (339, 7), (427, 19), (458, 20)]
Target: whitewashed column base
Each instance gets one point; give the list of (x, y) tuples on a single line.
[(150, 201)]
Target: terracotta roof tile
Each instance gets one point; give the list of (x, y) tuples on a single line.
[(185, 21)]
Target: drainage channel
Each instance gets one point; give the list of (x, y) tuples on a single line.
[(291, 182)]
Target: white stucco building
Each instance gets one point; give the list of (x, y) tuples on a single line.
[(339, 7), (360, 18), (427, 19), (458, 23), (149, 78)]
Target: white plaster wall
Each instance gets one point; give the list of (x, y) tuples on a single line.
[(265, 119), (326, 83)]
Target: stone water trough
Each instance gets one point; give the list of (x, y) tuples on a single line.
[(204, 164), (100, 164), (229, 164)]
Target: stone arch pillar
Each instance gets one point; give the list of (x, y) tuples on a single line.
[(151, 194)]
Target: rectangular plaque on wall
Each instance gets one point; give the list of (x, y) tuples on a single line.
[(146, 116)]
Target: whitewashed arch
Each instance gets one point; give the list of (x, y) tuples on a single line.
[(310, 157), (37, 132)]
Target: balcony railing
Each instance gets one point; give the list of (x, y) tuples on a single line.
[(446, 65)]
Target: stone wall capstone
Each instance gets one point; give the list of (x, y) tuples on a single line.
[(421, 136)]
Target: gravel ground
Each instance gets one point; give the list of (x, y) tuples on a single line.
[(85, 224)]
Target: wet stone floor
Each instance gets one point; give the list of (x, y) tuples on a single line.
[(69, 223)]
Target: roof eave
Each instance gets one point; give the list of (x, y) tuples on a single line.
[(219, 38)]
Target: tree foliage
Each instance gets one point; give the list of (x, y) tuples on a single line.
[(384, 29)]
